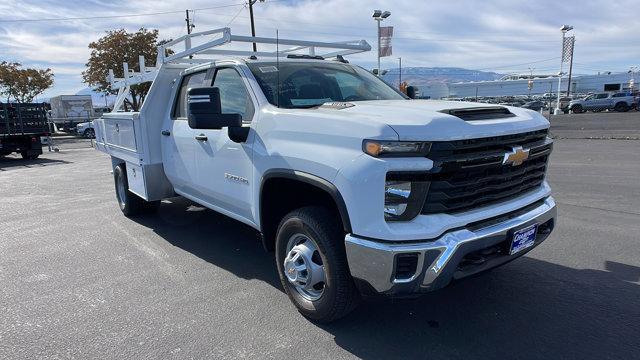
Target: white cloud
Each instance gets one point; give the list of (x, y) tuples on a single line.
[(493, 34)]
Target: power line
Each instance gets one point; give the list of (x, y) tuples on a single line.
[(233, 18), (119, 16)]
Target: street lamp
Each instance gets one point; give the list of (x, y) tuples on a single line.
[(530, 82), (564, 29), (378, 16)]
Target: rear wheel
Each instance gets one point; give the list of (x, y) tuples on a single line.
[(130, 204), (25, 155), (621, 107), (312, 264)]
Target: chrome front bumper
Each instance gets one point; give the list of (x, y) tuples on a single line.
[(373, 262)]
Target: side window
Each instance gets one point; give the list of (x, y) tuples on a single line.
[(234, 97), (602, 96), (188, 81)]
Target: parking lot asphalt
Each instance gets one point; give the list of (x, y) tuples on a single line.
[(79, 280)]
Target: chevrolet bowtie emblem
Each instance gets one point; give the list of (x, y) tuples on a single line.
[(516, 157)]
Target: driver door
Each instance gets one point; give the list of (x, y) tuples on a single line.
[(225, 168)]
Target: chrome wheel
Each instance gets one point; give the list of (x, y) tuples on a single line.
[(304, 268)]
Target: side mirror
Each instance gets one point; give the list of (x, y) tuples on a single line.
[(205, 112), (411, 92)]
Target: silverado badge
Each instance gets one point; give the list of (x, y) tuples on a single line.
[(516, 157)]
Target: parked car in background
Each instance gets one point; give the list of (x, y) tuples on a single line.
[(86, 130), (536, 105), (99, 111), (620, 101), (564, 103)]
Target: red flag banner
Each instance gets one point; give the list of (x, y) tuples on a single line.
[(386, 33)]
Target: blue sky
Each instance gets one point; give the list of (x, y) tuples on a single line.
[(495, 35)]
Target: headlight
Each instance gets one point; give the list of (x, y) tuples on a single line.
[(377, 148), (404, 196)]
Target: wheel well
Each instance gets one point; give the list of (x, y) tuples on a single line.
[(280, 195)]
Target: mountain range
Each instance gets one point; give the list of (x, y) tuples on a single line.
[(417, 76), (426, 75)]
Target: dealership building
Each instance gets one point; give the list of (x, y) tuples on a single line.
[(524, 84)]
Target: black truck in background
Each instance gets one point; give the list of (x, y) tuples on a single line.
[(21, 127)]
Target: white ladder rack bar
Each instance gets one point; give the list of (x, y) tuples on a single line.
[(147, 74)]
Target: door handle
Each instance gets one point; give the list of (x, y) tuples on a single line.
[(201, 137), (166, 133)]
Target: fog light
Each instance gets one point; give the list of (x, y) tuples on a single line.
[(403, 199)]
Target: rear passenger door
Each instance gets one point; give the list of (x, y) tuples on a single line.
[(178, 139), (225, 167)]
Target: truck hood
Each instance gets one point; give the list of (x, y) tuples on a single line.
[(425, 119)]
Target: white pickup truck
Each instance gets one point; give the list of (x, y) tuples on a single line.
[(360, 190)]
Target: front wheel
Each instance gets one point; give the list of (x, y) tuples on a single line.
[(576, 109), (312, 264), (130, 204), (89, 134)]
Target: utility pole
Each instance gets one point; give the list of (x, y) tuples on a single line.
[(190, 26), (253, 26)]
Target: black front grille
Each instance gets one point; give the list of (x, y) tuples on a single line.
[(470, 173)]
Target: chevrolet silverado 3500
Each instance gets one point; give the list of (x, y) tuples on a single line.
[(358, 189)]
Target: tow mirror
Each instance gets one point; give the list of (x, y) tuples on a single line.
[(205, 112)]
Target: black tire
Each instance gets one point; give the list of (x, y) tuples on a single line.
[(130, 204), (89, 134), (577, 109), (621, 107), (25, 155), (339, 295)]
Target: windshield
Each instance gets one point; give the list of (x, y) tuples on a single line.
[(309, 84)]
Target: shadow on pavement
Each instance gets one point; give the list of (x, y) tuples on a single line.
[(8, 162), (214, 238), (527, 309)]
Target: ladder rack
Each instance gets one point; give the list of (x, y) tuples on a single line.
[(202, 54)]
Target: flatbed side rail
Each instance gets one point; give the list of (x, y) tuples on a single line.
[(23, 119)]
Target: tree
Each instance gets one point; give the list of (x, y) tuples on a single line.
[(403, 87), (23, 84), (115, 48)]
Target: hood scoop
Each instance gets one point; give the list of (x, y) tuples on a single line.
[(480, 113)]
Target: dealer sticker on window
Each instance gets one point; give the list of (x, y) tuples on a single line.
[(523, 238)]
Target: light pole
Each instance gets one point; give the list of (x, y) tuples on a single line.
[(530, 82), (564, 29), (378, 16), (632, 82), (399, 73)]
